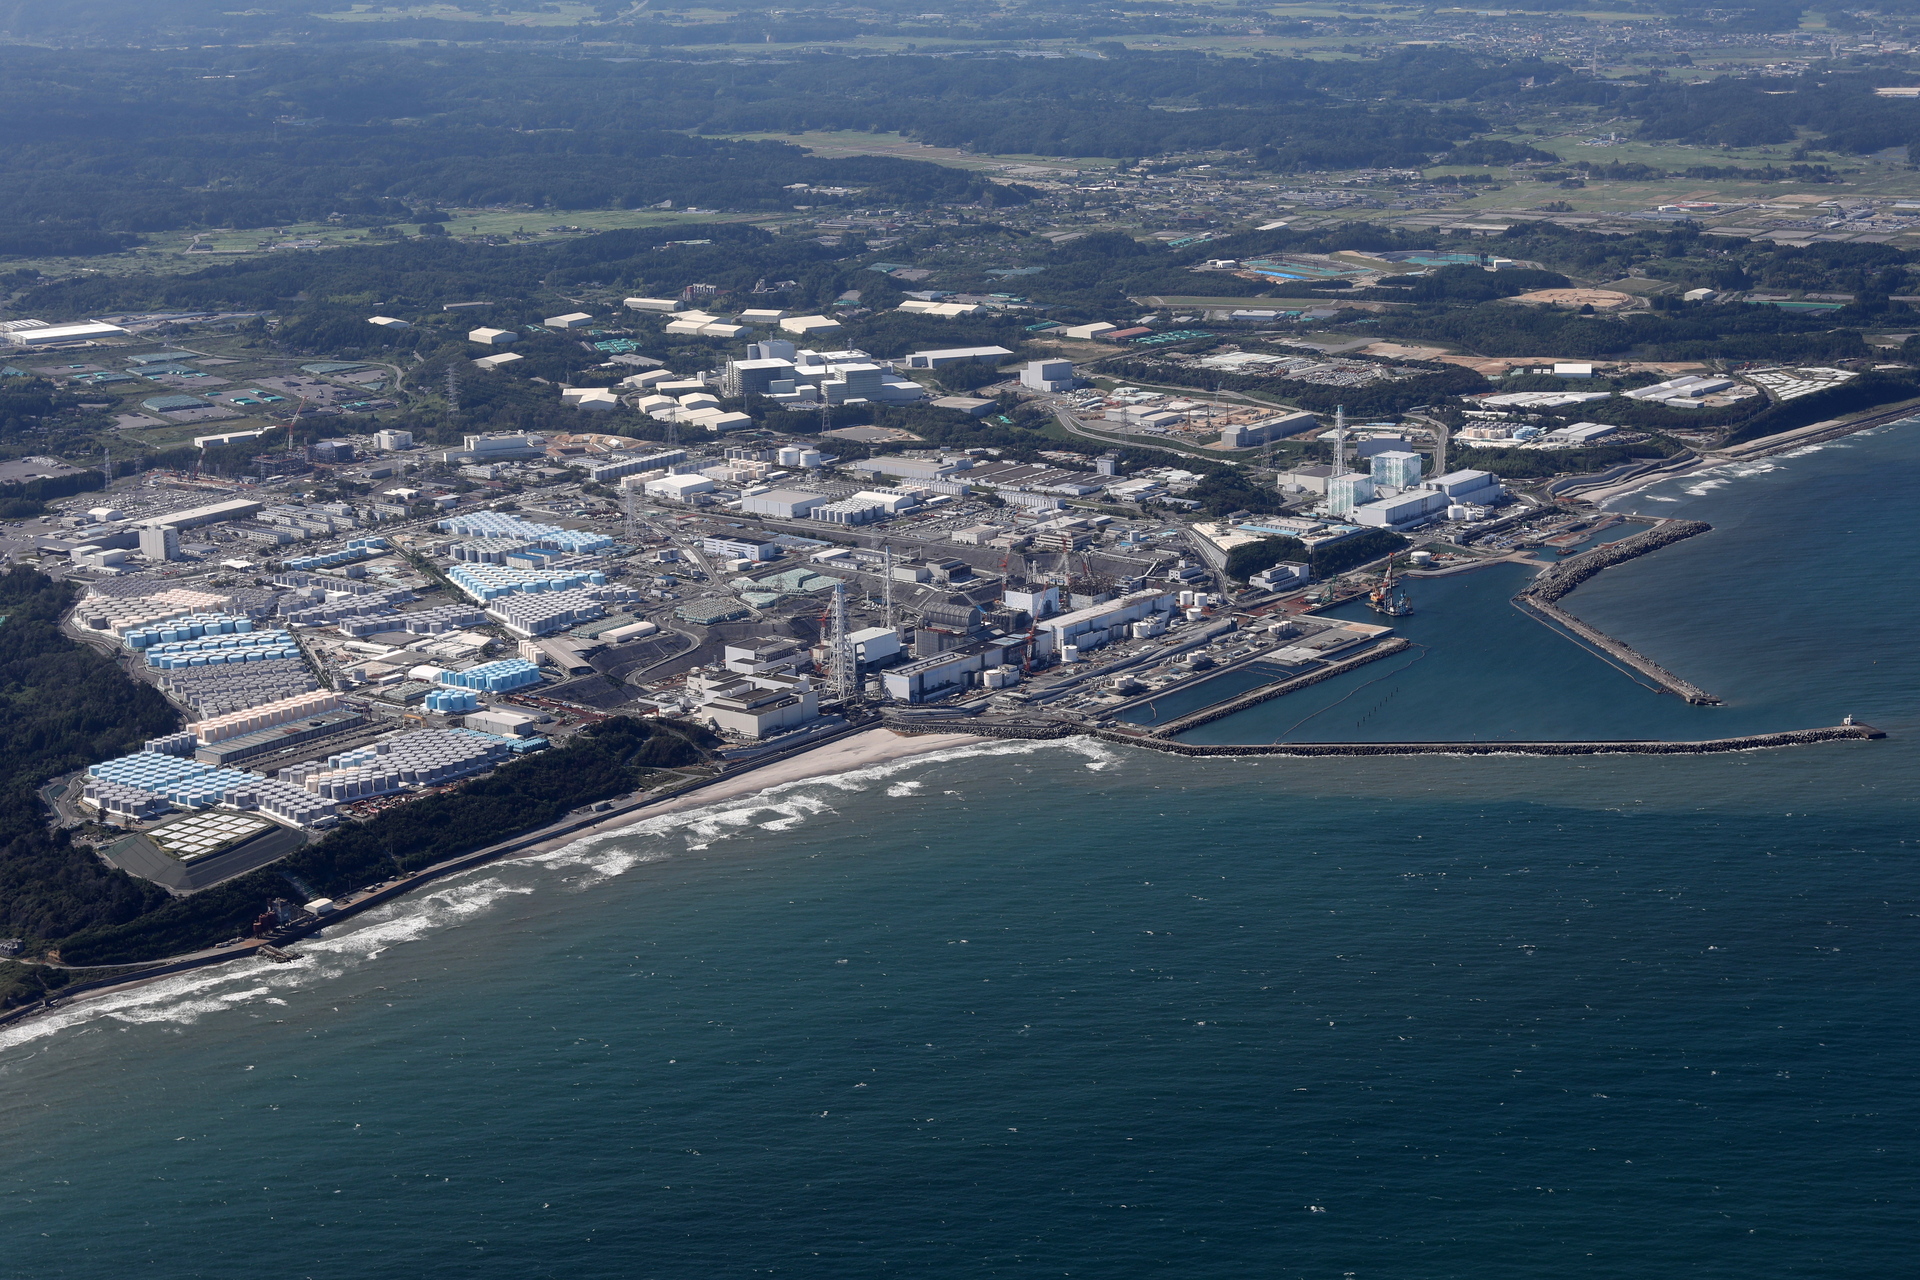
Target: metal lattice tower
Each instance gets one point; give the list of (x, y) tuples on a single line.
[(839, 650), (886, 583), (1340, 440), (626, 492), (453, 391)]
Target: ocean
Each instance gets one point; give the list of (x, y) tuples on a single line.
[(1072, 1009)]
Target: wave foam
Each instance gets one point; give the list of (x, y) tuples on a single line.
[(180, 1000)]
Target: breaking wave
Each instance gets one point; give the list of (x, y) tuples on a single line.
[(180, 1000)]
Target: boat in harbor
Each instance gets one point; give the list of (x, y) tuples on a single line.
[(1389, 597)]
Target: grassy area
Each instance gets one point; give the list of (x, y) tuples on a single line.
[(173, 252), (562, 14), (832, 144)]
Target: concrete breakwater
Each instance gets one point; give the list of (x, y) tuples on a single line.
[(1556, 581), (1752, 742), (1279, 688), (1036, 730)]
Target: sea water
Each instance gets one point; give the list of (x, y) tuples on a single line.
[(1070, 1009), (1796, 610)]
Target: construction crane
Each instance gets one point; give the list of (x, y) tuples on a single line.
[(1389, 597)]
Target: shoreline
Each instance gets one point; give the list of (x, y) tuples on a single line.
[(864, 749), (869, 748), (1754, 451)]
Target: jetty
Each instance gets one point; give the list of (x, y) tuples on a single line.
[(1539, 600), (1031, 728), (1278, 688)]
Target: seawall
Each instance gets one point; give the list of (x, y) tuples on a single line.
[(1037, 730), (1752, 742), (1557, 580), (1268, 692)]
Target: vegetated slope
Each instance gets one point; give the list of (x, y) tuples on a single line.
[(605, 760), (62, 706)]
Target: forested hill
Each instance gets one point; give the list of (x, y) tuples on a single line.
[(124, 141)]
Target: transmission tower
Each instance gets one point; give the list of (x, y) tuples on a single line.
[(106, 466), (626, 491), (886, 584), (453, 391), (839, 650)]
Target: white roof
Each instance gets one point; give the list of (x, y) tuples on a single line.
[(967, 352), (680, 484), (65, 333)]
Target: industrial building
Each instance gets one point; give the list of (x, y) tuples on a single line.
[(687, 489), (61, 334), (160, 544), (1091, 627), (740, 548), (1479, 487), (1405, 508), (960, 355), (1399, 469), (1252, 434), (622, 467), (214, 514), (1285, 576), (1346, 492), (1048, 375), (754, 706), (783, 504), (939, 674)]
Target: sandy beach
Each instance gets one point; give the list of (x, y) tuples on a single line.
[(859, 751)]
